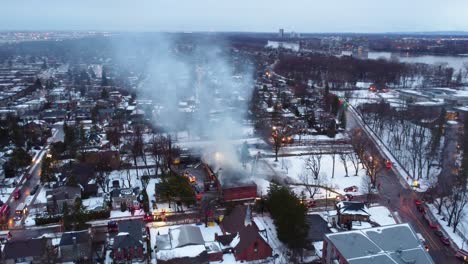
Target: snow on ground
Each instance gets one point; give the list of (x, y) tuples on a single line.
[(123, 176), (118, 213), (5, 193), (294, 167), (462, 226), (381, 215), (41, 197), (30, 221)]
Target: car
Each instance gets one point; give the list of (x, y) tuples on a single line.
[(34, 190), (433, 225), (445, 240), (349, 197), (311, 203), (37, 147), (148, 218), (353, 188), (112, 226), (28, 176), (421, 209), (426, 247), (418, 202), (1, 203), (439, 233)]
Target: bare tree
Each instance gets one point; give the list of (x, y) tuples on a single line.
[(311, 183), (354, 159), (313, 164), (344, 158)]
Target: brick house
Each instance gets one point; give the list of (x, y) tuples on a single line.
[(130, 243), (242, 236), (129, 196)]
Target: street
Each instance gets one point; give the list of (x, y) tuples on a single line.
[(395, 194)]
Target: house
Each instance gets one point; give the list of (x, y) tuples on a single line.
[(84, 174), (182, 245), (130, 243), (348, 212), (242, 236), (388, 244), (129, 196), (57, 197), (75, 246), (28, 251)]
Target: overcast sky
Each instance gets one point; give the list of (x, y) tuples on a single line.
[(236, 15)]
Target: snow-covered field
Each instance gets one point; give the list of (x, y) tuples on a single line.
[(294, 168)]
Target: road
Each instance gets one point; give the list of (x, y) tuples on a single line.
[(395, 194), (26, 185)]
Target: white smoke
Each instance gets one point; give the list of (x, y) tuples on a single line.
[(200, 89)]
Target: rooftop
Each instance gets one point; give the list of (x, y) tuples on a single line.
[(389, 244)]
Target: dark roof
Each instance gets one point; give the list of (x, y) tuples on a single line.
[(318, 227), (235, 221), (125, 240), (248, 235), (25, 248), (226, 239), (133, 226), (65, 192), (82, 237), (356, 208)]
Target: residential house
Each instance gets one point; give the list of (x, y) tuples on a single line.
[(60, 195), (182, 245), (84, 174), (388, 244), (350, 211), (75, 246), (129, 196), (242, 236), (130, 243), (28, 251)]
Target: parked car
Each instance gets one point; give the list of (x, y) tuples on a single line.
[(353, 188), (433, 225), (34, 190), (462, 255), (418, 202), (349, 197), (445, 240), (439, 233), (28, 176), (311, 203), (1, 203), (112, 226), (421, 208), (148, 217)]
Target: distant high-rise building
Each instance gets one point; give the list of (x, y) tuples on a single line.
[(281, 33)]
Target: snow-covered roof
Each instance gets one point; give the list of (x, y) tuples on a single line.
[(182, 252), (389, 244)]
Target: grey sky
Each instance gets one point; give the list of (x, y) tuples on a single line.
[(235, 15)]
